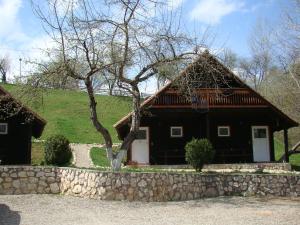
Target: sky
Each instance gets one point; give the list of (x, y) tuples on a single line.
[(231, 22)]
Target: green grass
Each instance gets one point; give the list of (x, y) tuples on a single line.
[(99, 158), (37, 153), (67, 113), (279, 151)]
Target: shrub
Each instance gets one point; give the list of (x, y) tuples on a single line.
[(198, 152), (57, 150)]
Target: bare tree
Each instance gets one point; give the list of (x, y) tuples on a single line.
[(52, 74), (229, 58), (255, 68), (288, 41), (110, 81), (167, 72), (107, 78), (89, 33), (4, 68), (287, 55), (104, 82)]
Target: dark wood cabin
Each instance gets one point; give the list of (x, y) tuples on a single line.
[(238, 121), (17, 126)]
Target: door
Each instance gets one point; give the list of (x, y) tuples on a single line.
[(261, 144), (140, 147)]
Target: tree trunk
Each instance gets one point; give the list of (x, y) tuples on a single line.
[(135, 119), (135, 124), (4, 78), (99, 127), (110, 91), (115, 159), (111, 86)]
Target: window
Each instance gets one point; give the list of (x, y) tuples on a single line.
[(260, 133), (141, 135), (3, 128), (176, 132), (224, 131)]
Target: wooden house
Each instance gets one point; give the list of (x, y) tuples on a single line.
[(238, 121), (17, 126)]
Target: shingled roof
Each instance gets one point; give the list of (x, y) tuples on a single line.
[(214, 62), (38, 122)]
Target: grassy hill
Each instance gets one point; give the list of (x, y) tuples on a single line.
[(67, 113)]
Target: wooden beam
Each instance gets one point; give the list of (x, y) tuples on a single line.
[(207, 126), (211, 90), (286, 145), (210, 106)]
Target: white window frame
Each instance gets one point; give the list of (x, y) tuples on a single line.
[(224, 135), (6, 130), (176, 136)]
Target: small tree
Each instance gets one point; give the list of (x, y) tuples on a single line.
[(198, 152), (57, 150), (229, 58), (288, 41), (52, 74), (255, 69), (4, 68)]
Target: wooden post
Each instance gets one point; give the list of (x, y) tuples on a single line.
[(286, 145), (207, 126)]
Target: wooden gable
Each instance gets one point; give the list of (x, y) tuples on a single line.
[(208, 84), (38, 123), (212, 85)]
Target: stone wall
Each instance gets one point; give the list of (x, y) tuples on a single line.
[(248, 167), (29, 180), (143, 186)]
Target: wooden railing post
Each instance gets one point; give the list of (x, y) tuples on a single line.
[(215, 98), (286, 145), (207, 126)]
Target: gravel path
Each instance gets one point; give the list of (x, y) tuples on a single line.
[(55, 209), (81, 154)]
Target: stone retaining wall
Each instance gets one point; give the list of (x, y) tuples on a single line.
[(29, 180), (248, 167), (143, 186)]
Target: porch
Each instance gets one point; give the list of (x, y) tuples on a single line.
[(229, 155), (234, 147)]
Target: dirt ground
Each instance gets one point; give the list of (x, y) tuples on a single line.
[(57, 209), (81, 154)]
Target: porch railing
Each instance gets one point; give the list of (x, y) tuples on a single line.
[(226, 155), (233, 155), (210, 98)]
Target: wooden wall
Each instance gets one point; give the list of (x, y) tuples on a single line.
[(165, 149), (199, 124), (15, 147), (238, 147)]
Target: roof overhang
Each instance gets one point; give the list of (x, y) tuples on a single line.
[(147, 103), (38, 123)]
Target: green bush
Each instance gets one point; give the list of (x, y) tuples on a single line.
[(198, 152), (57, 150)]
